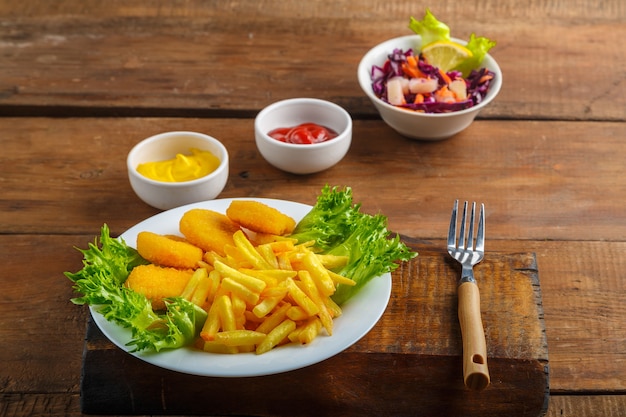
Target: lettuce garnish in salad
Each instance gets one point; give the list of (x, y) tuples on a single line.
[(429, 28), (411, 80)]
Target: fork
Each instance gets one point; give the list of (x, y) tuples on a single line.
[(475, 371)]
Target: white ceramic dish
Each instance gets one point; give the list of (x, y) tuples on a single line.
[(164, 146), (360, 314), (416, 125), (299, 158)]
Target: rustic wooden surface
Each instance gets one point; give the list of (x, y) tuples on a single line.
[(407, 365), (82, 81), (560, 59)]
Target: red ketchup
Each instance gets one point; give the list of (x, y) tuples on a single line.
[(305, 133)]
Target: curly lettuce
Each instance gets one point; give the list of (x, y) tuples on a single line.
[(479, 46), (339, 228), (107, 262), (429, 28)]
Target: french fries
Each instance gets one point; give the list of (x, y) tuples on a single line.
[(260, 290)]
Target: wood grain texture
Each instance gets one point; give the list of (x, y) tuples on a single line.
[(417, 340), (538, 180), (546, 157), (193, 58), (68, 405), (582, 280), (584, 320)]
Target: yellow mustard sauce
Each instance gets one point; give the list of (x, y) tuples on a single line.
[(181, 168)]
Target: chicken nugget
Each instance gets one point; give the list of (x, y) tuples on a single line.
[(207, 229), (168, 251), (157, 282), (260, 218)]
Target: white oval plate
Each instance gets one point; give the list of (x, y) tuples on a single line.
[(360, 314)]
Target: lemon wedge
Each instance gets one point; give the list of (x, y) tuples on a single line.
[(445, 55)]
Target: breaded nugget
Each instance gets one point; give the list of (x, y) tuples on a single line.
[(208, 229), (167, 251), (176, 238), (260, 218), (157, 282)]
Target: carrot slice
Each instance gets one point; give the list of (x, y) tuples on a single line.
[(411, 69), (419, 98), (445, 77)]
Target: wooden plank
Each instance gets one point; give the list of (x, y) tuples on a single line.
[(410, 363), (42, 331), (321, 8), (520, 170), (93, 60), (587, 405), (68, 405), (40, 404)]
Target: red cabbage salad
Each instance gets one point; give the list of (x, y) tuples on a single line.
[(408, 80)]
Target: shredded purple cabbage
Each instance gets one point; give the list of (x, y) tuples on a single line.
[(477, 84)]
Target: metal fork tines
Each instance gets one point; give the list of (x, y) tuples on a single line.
[(468, 253)]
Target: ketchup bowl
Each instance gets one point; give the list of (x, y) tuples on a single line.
[(303, 158), (167, 194)]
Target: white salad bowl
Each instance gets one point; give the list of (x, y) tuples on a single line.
[(413, 124), (165, 146), (303, 158)]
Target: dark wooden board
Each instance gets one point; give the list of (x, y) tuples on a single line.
[(409, 364)]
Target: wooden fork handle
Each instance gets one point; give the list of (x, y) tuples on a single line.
[(475, 371)]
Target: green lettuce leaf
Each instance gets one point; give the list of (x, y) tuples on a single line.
[(479, 46), (106, 265), (339, 228), (430, 29)]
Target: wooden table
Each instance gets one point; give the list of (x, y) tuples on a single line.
[(82, 81)]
